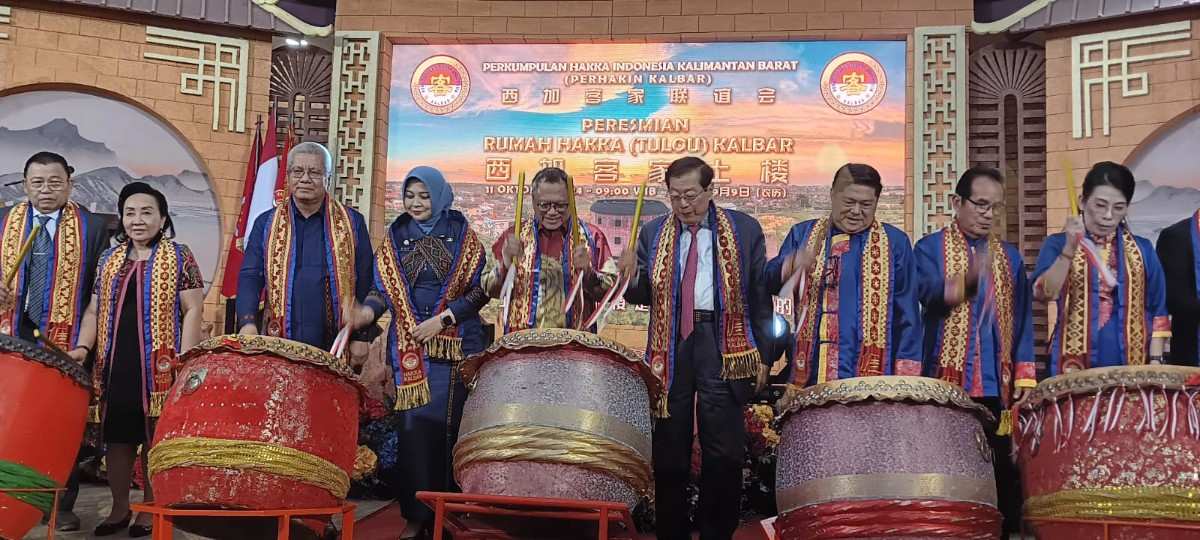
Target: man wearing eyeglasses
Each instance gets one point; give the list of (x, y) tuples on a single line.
[(62, 257), (699, 269), (549, 255), (310, 260), (979, 315), (854, 280)]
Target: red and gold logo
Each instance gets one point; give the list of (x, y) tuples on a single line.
[(440, 84), (853, 83)]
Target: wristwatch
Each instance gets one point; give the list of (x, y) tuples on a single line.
[(447, 321)]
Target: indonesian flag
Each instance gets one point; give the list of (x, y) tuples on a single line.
[(264, 180)]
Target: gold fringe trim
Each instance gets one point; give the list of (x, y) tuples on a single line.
[(1130, 502), (661, 409), (1005, 427), (258, 456), (157, 400), (93, 414), (554, 445), (445, 347), (740, 365), (413, 395)]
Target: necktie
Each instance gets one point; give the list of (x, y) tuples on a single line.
[(688, 292), (39, 267)]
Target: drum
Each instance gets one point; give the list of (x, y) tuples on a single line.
[(885, 457), (1115, 443), (556, 413), (43, 411), (256, 422)]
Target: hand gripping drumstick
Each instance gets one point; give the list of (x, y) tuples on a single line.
[(610, 299), (12, 272), (1089, 248)]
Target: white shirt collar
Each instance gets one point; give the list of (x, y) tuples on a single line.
[(53, 215)]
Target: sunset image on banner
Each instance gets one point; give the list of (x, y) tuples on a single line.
[(775, 120)]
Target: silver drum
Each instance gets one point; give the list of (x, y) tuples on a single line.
[(556, 413)]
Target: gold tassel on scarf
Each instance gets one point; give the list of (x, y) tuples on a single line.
[(157, 399), (413, 395), (1005, 427), (740, 365), (444, 346)]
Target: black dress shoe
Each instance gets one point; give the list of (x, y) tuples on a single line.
[(109, 529), (138, 530)]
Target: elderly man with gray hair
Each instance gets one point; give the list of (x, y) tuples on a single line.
[(309, 260)]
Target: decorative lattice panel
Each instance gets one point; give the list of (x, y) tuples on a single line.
[(220, 63), (352, 117), (301, 81), (939, 123), (1102, 59), (1007, 103)]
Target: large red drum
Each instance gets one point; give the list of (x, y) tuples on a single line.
[(43, 411), (1112, 444), (256, 422), (885, 458)]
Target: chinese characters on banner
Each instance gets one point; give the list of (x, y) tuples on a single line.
[(774, 120)]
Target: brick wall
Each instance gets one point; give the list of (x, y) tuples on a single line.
[(81, 49), (1174, 90), (606, 21)]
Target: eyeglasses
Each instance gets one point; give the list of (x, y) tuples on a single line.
[(51, 185), (689, 196), (313, 174), (984, 207), (548, 206)]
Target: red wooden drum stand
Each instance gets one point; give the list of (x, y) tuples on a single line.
[(43, 410)]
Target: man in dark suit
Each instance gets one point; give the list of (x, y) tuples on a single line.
[(65, 247), (696, 267), (1177, 246)]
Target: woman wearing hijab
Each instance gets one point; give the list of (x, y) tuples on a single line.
[(1112, 305), (146, 309), (427, 274)]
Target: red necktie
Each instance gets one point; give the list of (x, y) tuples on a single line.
[(688, 292)]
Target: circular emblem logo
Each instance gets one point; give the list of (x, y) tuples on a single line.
[(411, 361), (440, 84), (853, 83)]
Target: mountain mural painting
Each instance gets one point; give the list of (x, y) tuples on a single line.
[(110, 144)]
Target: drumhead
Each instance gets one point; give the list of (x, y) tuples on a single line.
[(1090, 381), (561, 338), (37, 353), (285, 349), (886, 388)]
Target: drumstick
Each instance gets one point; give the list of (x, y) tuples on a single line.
[(577, 239), (506, 290), (1070, 180), (25, 247), (37, 334), (610, 303), (339, 341)]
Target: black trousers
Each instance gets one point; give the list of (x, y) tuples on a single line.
[(1008, 479), (66, 503), (697, 388)]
